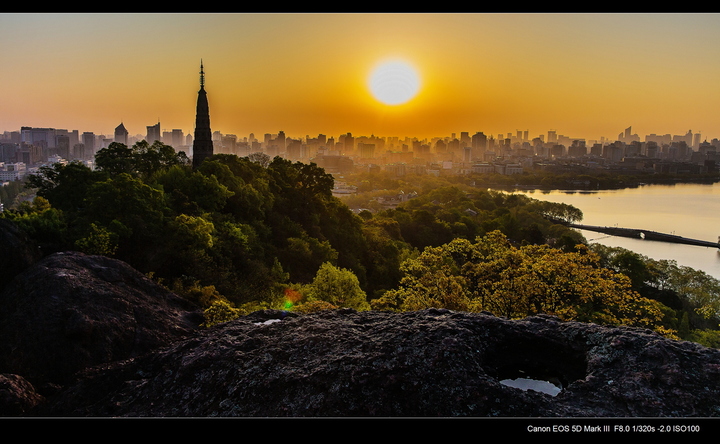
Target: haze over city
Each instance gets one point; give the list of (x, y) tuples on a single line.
[(585, 76)]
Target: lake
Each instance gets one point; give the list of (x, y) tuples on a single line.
[(687, 210)]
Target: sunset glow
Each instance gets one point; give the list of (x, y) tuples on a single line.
[(583, 75), (394, 82)]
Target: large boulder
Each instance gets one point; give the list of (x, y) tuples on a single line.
[(70, 311), (432, 363)]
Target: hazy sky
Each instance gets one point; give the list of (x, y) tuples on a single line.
[(584, 75)]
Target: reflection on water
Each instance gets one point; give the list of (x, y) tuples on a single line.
[(688, 210)]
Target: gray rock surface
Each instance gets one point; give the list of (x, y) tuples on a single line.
[(88, 336), (70, 311), (432, 363)]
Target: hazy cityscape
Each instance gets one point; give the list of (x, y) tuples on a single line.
[(24, 150)]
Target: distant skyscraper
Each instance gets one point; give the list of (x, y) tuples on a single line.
[(552, 136), (153, 133), (62, 144), (349, 143), (177, 138), (121, 134), (202, 142), (479, 143), (88, 139)]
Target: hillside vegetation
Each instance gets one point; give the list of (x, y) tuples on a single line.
[(239, 234)]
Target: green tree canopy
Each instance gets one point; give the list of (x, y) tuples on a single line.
[(492, 275), (142, 159), (65, 186), (115, 159), (337, 286)]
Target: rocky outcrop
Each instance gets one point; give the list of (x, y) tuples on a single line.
[(428, 363), (70, 311), (90, 336)]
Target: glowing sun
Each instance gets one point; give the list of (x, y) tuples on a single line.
[(394, 82)]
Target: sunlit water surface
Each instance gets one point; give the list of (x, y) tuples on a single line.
[(688, 210)]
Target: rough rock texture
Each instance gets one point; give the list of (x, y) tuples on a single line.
[(426, 363), (17, 396), (90, 336), (70, 311)]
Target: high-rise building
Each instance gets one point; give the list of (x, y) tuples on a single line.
[(177, 138), (348, 143), (367, 150), (202, 142), (88, 140), (167, 138), (121, 134), (62, 144), (38, 136), (479, 143), (281, 140), (153, 133), (465, 139), (552, 136)]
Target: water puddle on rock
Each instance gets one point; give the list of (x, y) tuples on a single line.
[(533, 384), (268, 322)]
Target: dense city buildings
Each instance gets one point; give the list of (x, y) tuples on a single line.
[(24, 150), (462, 153)]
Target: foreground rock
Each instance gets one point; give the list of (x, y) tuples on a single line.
[(70, 311), (17, 396), (90, 336), (426, 363)]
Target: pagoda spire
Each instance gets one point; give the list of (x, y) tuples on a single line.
[(202, 143)]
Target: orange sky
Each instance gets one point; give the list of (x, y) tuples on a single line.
[(583, 75)]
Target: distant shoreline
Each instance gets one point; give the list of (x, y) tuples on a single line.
[(603, 185)]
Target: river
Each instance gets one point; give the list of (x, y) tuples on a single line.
[(687, 210)]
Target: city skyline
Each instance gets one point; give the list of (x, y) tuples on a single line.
[(587, 76)]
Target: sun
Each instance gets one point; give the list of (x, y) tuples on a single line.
[(394, 82)]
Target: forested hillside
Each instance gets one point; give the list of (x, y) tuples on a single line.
[(239, 234)]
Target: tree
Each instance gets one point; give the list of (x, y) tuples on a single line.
[(300, 180), (10, 192), (142, 159), (192, 192), (221, 311), (699, 289), (65, 186), (99, 240), (492, 275), (259, 158), (627, 262), (336, 286), (683, 288), (561, 211), (303, 255), (116, 159), (148, 159), (44, 224), (132, 210)]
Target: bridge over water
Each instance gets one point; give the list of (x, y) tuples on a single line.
[(646, 235)]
